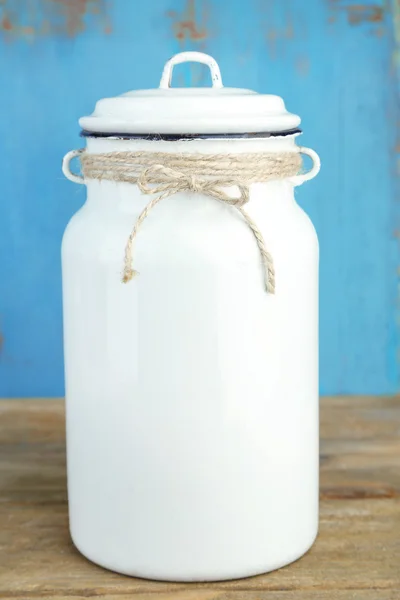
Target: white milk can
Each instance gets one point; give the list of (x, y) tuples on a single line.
[(190, 291)]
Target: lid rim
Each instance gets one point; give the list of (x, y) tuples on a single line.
[(170, 137)]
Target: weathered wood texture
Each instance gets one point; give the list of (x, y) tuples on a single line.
[(356, 556)]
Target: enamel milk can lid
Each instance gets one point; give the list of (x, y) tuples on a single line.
[(169, 110)]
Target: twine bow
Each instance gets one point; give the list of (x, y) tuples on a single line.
[(173, 181), (164, 181)]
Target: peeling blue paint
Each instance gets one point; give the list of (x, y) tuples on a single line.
[(340, 76)]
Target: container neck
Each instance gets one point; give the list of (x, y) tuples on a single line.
[(205, 146)]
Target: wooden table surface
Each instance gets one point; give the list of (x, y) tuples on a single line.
[(356, 556)]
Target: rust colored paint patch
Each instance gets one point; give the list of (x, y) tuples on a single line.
[(277, 35), (359, 14), (396, 35), (272, 37), (52, 17), (378, 32), (191, 24), (107, 28), (190, 29), (303, 65), (289, 29), (6, 24)]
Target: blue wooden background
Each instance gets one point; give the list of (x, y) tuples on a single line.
[(335, 63)]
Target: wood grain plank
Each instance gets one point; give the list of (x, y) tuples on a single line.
[(197, 594), (357, 553)]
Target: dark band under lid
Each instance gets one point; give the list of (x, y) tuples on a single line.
[(174, 137)]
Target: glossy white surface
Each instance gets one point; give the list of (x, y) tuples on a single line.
[(192, 394), (190, 110)]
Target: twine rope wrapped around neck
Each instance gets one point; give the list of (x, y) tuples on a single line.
[(164, 174)]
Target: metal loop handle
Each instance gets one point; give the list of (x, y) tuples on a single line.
[(299, 179), (65, 166), (166, 77)]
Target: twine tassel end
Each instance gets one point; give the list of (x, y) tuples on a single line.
[(129, 274)]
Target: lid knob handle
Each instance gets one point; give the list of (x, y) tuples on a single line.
[(165, 82)]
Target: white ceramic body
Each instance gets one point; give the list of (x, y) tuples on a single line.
[(192, 394)]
